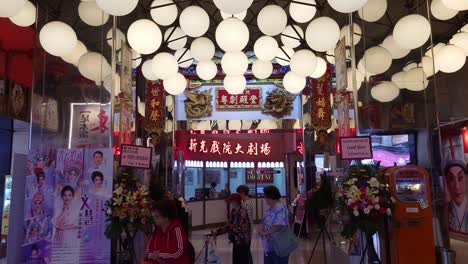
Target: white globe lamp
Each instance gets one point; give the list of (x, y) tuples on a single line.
[(206, 70), (303, 62), (94, 66), (399, 79), (302, 11), (234, 63), (144, 36), (397, 52), (293, 83), (284, 56), (450, 58), (136, 59), (292, 36), (378, 60), (427, 64), (272, 20), (202, 49), (165, 65), (409, 66), (346, 6), (233, 7), (262, 69), (436, 48), (416, 80), (194, 21), (147, 70), (412, 31), (266, 48), (120, 37), (176, 84), (25, 17), (92, 14), (175, 38), (459, 5), (232, 34), (461, 40), (359, 80), (184, 57), (163, 12), (11, 8), (440, 11), (346, 33), (235, 84), (117, 7), (373, 10), (58, 38), (320, 68), (74, 56), (385, 92), (322, 34)]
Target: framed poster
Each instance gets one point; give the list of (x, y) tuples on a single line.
[(340, 66), (18, 103), (89, 125)]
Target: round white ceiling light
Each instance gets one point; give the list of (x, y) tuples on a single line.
[(91, 14), (373, 10), (94, 66), (184, 57), (397, 52), (235, 84), (232, 34), (320, 68), (322, 34), (120, 37), (459, 5), (293, 83), (427, 64), (385, 92), (450, 58), (165, 65), (74, 56), (272, 20), (176, 84), (117, 7), (266, 48), (147, 70), (442, 12), (345, 32), (202, 49), (175, 38), (460, 40), (262, 69), (11, 8), (234, 63), (144, 36), (346, 6), (303, 62), (292, 36), (194, 21), (58, 38), (302, 13), (206, 70), (412, 31), (233, 7), (164, 15), (378, 60), (415, 79), (26, 16), (399, 79)]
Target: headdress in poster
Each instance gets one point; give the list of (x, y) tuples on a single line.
[(89, 125)]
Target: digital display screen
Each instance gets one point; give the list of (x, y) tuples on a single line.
[(410, 190), (393, 149)]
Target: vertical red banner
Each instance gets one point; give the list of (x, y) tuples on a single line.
[(320, 99), (154, 115)]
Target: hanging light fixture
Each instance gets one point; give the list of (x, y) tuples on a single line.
[(235, 84), (108, 84), (206, 70), (234, 63), (440, 11), (294, 83), (399, 79), (302, 11), (378, 60), (92, 14), (284, 56), (11, 8), (412, 31), (397, 52), (320, 68), (460, 40), (272, 20), (266, 48), (136, 59), (346, 6), (345, 32), (427, 64), (322, 34), (373, 10), (303, 62), (184, 57), (194, 21), (144, 36), (385, 92), (292, 36), (262, 69), (233, 7), (74, 56), (94, 66), (117, 7), (416, 80), (165, 65), (25, 17), (175, 38), (176, 84), (450, 58), (163, 12), (232, 34), (58, 38), (147, 70), (202, 49), (120, 37), (459, 5)]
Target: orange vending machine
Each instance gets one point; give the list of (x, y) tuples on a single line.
[(411, 239)]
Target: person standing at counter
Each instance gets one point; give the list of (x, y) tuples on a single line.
[(455, 173), (247, 203)]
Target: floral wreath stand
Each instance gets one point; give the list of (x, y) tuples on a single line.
[(323, 234)]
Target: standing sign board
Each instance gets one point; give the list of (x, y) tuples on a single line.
[(135, 157), (356, 148)]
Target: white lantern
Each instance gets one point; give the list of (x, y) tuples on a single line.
[(345, 32), (399, 79), (459, 5), (235, 84), (233, 7), (442, 12), (359, 80), (428, 66), (346, 6), (409, 66), (75, 55), (194, 21), (108, 84), (206, 70), (117, 7), (184, 58), (435, 49), (239, 16), (11, 8), (144, 36), (320, 68), (164, 15), (136, 59), (378, 60), (412, 31), (94, 66), (175, 38), (291, 36), (461, 40), (272, 20), (58, 38), (284, 56), (232, 34), (25, 17), (266, 48), (464, 28), (330, 55), (385, 92), (322, 34), (397, 52), (262, 69), (416, 80), (450, 58), (92, 14), (373, 10), (293, 83), (147, 70), (165, 65), (234, 63), (176, 84), (120, 37), (202, 49), (302, 13), (303, 62)]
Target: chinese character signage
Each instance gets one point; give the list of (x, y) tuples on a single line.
[(64, 206), (126, 70), (320, 104), (251, 98), (341, 68), (356, 148), (135, 156), (154, 116), (262, 175), (90, 125)]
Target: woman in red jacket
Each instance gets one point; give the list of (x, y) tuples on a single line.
[(168, 244)]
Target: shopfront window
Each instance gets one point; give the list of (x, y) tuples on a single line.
[(193, 184), (217, 183)]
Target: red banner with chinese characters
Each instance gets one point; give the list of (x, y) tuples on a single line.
[(154, 113), (251, 98), (320, 103), (263, 175)]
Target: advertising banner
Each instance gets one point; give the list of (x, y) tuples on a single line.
[(262, 175), (89, 125)]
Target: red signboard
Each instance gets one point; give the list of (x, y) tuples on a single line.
[(262, 175), (154, 116), (251, 98), (135, 156), (321, 108)]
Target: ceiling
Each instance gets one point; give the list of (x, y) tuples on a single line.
[(373, 33)]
